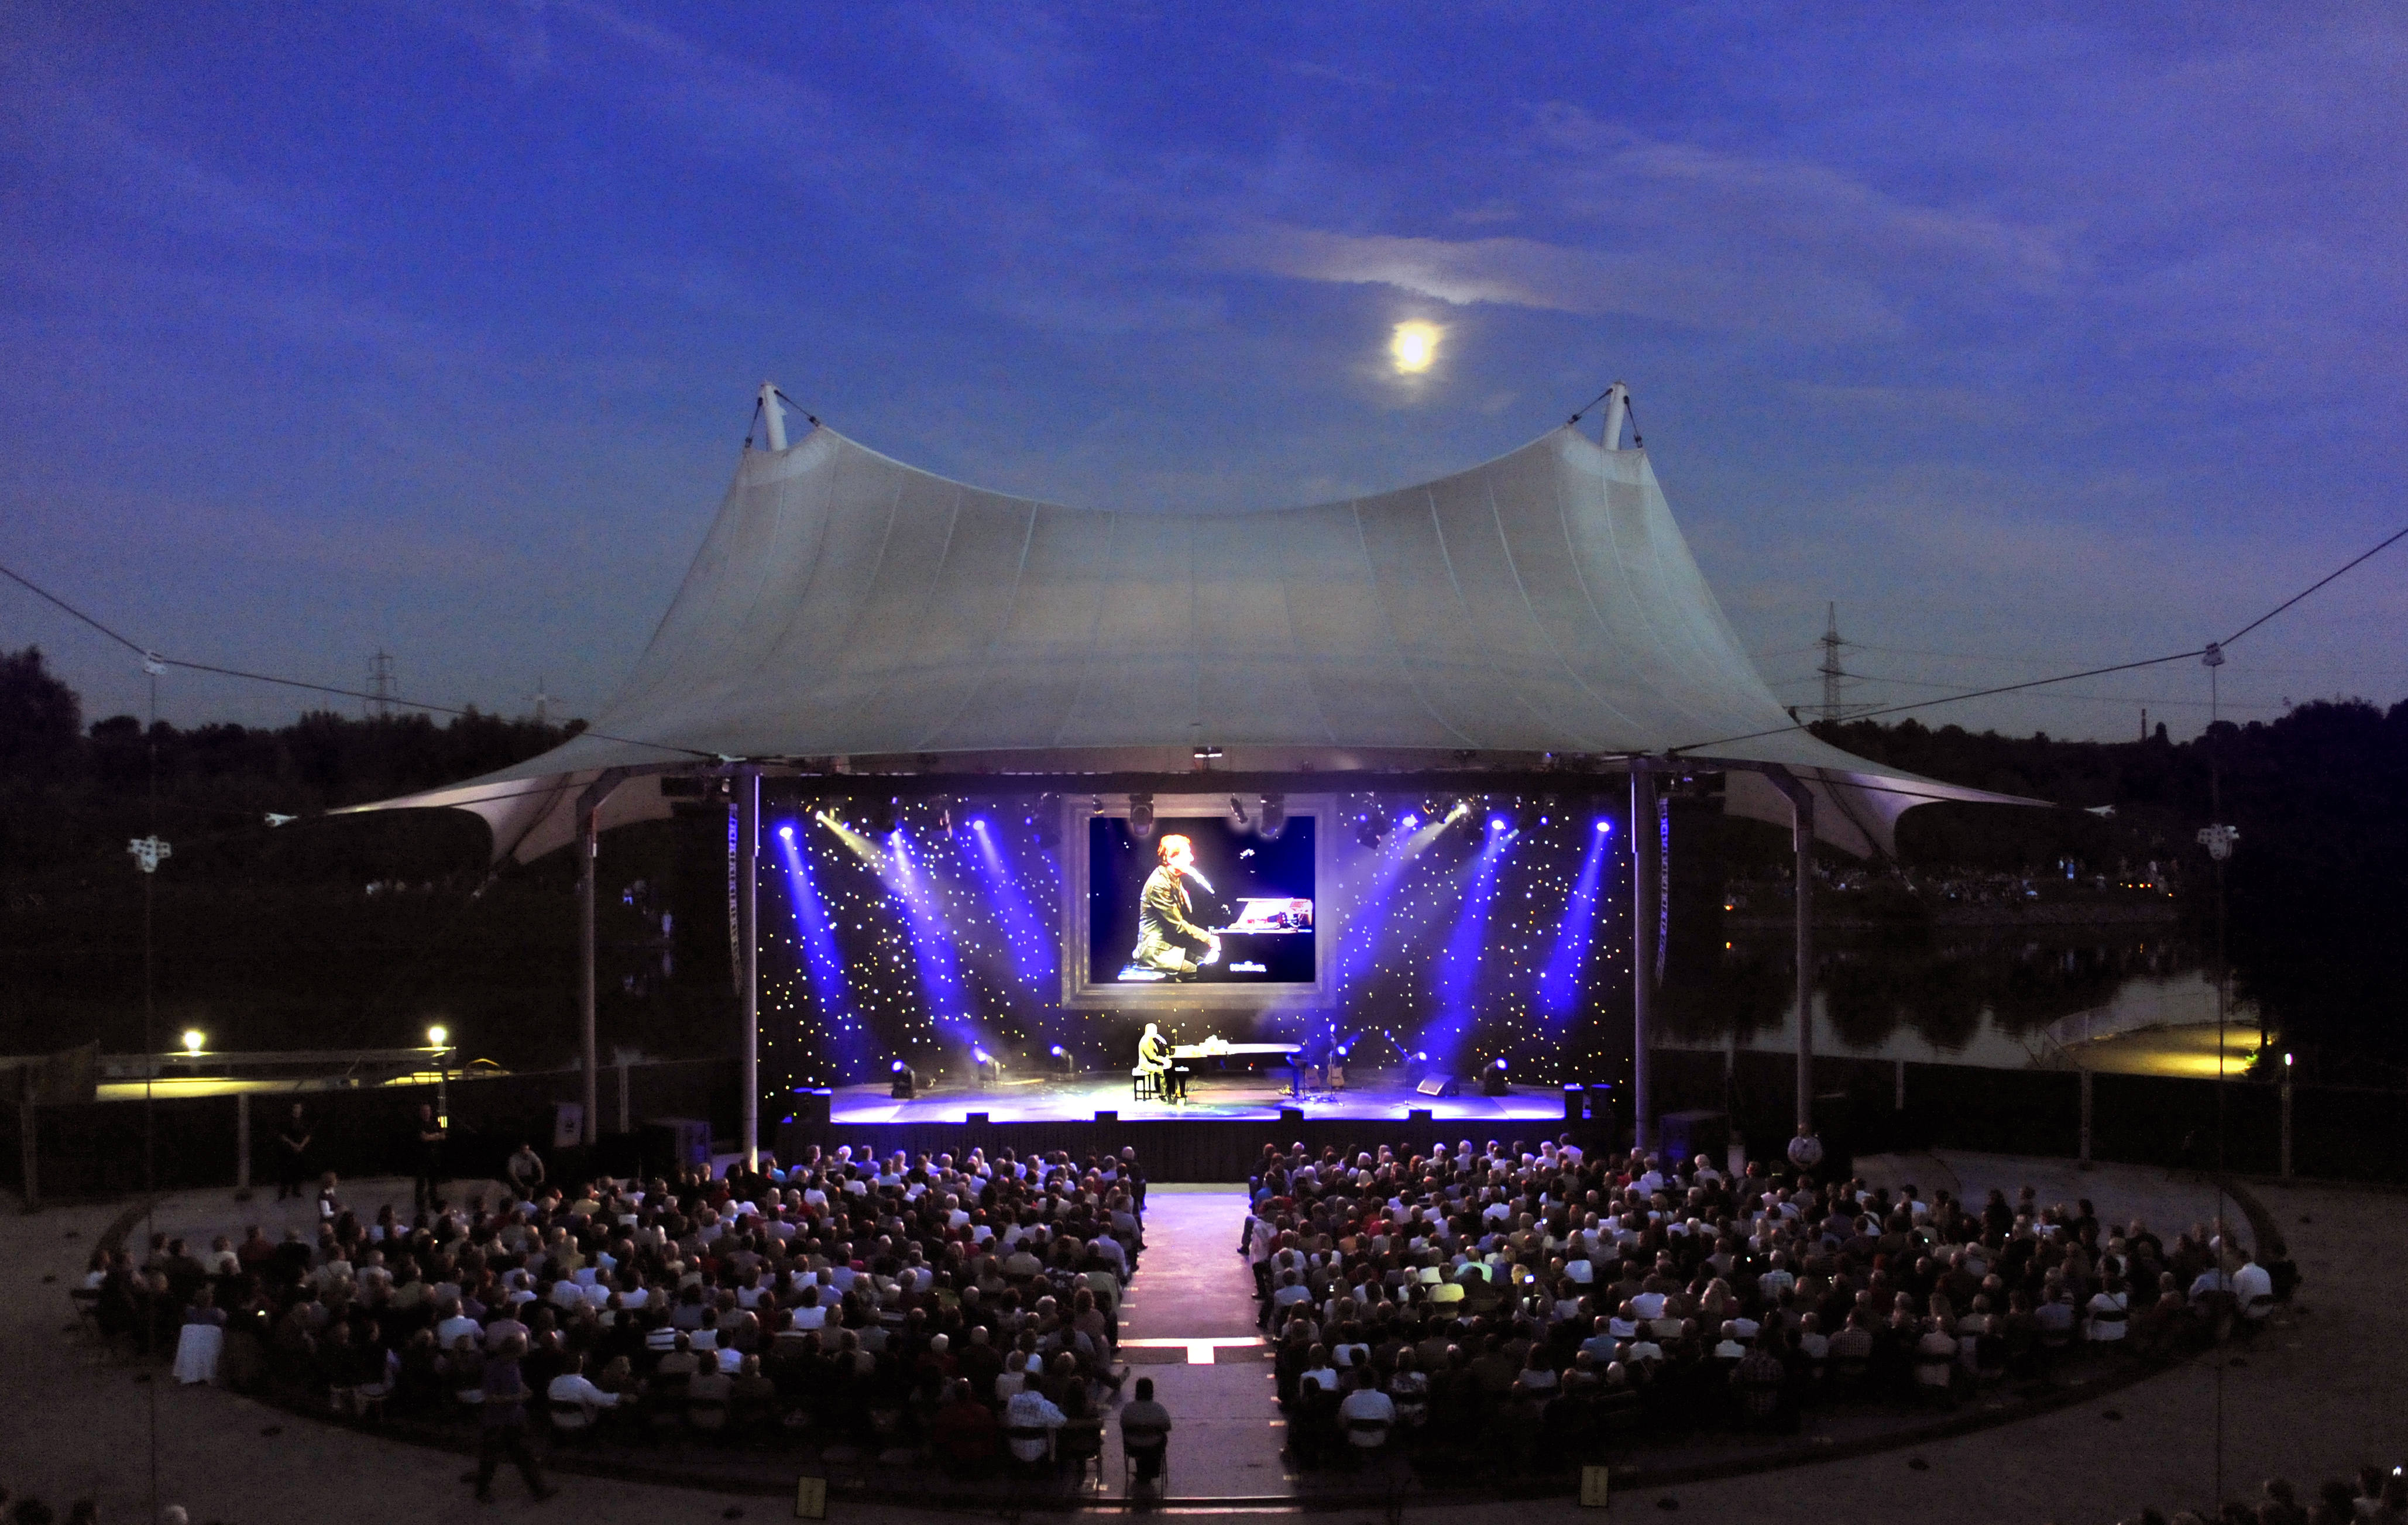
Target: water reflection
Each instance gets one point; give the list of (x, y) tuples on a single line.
[(1968, 998)]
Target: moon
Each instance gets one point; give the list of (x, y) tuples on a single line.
[(1413, 347)]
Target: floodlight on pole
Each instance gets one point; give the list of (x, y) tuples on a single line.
[(193, 1040), (439, 1038)]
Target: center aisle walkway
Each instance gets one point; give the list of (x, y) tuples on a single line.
[(1193, 1296)]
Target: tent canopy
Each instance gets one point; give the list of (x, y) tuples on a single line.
[(847, 611)]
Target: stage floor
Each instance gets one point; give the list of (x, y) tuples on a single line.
[(1238, 1097)]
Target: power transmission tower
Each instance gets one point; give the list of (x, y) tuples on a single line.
[(1831, 670), (542, 702), (380, 703)]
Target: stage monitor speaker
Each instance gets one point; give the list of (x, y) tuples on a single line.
[(1420, 1116), (1291, 1116), (977, 1119), (811, 1106), (1112, 1117), (1439, 1085)]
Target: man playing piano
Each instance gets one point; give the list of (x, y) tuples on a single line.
[(1168, 937), (1153, 1057)]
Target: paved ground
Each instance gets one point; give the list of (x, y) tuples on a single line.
[(1192, 1285), (2308, 1402)]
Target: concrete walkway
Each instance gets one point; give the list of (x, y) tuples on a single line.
[(1192, 1286)]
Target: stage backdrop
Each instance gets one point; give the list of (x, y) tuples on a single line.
[(1463, 927)]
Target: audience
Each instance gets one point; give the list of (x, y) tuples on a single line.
[(1508, 1306), (1475, 1307), (857, 1301)]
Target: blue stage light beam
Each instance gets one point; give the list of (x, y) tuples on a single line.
[(932, 943), (1560, 981), (1367, 925), (1032, 949), (823, 959), (1459, 977)]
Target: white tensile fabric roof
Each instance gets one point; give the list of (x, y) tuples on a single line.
[(847, 606)]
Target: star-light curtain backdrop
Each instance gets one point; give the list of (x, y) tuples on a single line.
[(1466, 931)]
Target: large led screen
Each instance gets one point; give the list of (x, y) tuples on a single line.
[(1200, 901)]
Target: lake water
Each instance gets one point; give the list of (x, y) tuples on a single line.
[(1985, 999)]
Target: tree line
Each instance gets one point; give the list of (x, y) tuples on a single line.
[(2316, 893)]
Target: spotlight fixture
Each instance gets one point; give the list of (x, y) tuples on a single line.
[(193, 1040), (1063, 1062), (1274, 816), (1371, 826), (1498, 823), (786, 833), (1605, 826), (944, 815), (882, 818), (437, 1037), (1492, 1080), (1238, 817), (903, 1082), (1140, 816)]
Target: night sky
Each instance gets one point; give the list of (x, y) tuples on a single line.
[(2038, 339)]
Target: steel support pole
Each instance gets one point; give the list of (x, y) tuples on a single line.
[(589, 847), (2286, 1122), (242, 1141), (748, 911), (1642, 951), (589, 853), (1801, 812)]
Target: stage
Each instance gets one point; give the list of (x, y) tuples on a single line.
[(1242, 1097), (1216, 1135)]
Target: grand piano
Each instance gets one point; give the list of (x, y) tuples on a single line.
[(1221, 1049)]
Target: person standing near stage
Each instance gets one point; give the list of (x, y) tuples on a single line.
[(293, 1153), (501, 1421), (426, 1151)]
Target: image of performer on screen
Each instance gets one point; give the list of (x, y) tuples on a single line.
[(1168, 937)]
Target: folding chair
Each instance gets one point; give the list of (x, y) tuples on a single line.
[(1155, 1442)]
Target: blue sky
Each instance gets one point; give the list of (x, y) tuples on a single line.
[(2035, 340)]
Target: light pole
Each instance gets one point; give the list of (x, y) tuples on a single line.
[(437, 1039)]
